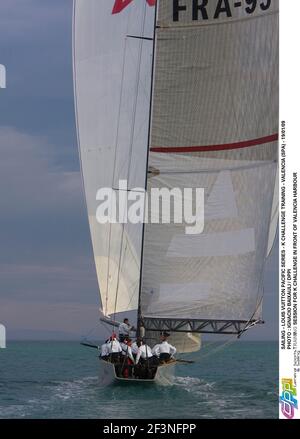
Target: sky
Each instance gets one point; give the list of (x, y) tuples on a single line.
[(48, 286)]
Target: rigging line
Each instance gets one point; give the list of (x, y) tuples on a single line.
[(147, 163), (103, 324), (131, 150), (207, 345), (185, 341), (261, 280), (251, 322), (89, 332), (133, 126), (115, 156), (277, 231), (133, 294), (232, 340)]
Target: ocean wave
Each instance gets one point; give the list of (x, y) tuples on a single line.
[(54, 392), (194, 385), (71, 389), (13, 411)]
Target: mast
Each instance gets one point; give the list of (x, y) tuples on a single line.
[(139, 316)]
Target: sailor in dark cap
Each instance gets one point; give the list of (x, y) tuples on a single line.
[(124, 329), (164, 350)]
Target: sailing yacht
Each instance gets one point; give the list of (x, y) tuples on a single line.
[(180, 94)]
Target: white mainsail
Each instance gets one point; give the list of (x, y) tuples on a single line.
[(214, 125)]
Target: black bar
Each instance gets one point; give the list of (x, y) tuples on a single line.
[(109, 428), (140, 38), (127, 190)]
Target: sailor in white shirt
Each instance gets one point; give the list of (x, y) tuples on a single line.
[(114, 349), (134, 347), (164, 350), (104, 352), (154, 349), (124, 329), (144, 354), (126, 349)]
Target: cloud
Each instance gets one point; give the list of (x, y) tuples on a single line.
[(29, 182), (41, 205), (45, 252), (46, 262), (20, 19), (65, 317), (39, 56)]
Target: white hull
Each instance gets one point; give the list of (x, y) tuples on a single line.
[(164, 375)]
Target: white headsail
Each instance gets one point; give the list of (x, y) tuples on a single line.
[(112, 78), (213, 125)]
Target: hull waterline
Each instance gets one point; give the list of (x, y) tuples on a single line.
[(164, 375)]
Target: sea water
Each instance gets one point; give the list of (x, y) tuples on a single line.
[(60, 380)]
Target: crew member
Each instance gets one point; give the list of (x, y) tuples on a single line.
[(126, 348), (114, 349), (144, 354), (164, 350), (127, 362), (104, 351), (135, 346), (124, 329)]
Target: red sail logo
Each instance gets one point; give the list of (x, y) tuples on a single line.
[(121, 4)]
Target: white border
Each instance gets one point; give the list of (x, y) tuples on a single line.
[(290, 113)]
